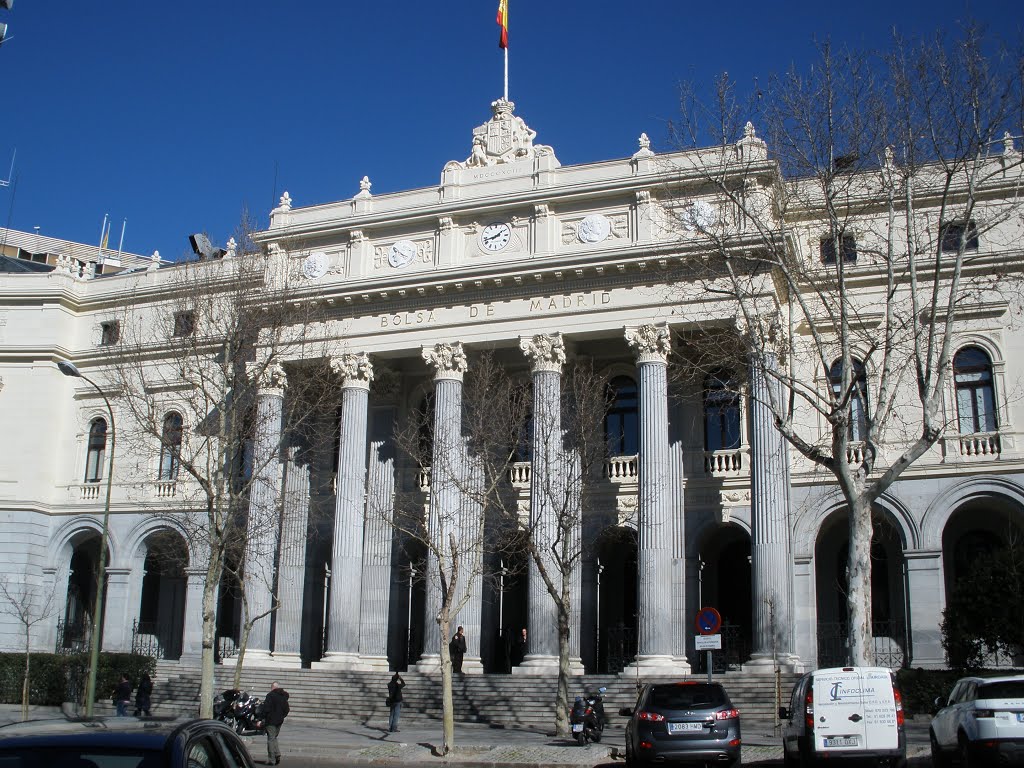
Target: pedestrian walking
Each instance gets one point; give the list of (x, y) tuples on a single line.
[(143, 696), (275, 710), (395, 701), (457, 649), (123, 695)]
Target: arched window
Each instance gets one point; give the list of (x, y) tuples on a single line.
[(621, 426), (858, 400), (97, 450), (721, 412), (975, 396), (170, 447)]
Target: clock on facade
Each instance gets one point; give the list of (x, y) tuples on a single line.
[(495, 236), (401, 253)]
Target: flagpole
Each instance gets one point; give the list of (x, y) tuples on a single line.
[(506, 74)]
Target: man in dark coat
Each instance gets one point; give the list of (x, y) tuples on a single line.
[(519, 648), (123, 695), (457, 649), (395, 701), (143, 696), (275, 710)]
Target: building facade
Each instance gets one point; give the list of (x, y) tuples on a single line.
[(699, 501)]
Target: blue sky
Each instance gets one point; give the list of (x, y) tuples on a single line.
[(175, 116)]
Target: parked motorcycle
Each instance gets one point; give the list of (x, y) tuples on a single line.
[(586, 726), (248, 712), (223, 706)]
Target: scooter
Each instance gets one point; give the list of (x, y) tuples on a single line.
[(586, 726), (222, 706)]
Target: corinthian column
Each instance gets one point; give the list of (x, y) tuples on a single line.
[(548, 501), (654, 558), (349, 512), (447, 519), (771, 562), (292, 561), (264, 517)]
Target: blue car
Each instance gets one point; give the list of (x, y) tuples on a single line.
[(122, 743)]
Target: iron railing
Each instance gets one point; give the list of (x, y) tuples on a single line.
[(145, 640), (72, 638), (620, 650), (734, 654), (890, 641)]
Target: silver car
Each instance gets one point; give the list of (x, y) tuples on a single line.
[(685, 722), (982, 723)]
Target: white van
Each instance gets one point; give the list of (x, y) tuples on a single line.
[(845, 712)]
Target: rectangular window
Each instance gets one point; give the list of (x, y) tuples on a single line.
[(954, 232), (828, 249), (110, 333), (184, 323)]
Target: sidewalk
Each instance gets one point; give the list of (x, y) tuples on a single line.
[(475, 743)]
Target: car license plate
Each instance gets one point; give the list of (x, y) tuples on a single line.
[(685, 727), (577, 727), (841, 741)]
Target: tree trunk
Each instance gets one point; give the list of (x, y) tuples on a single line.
[(447, 701), (243, 643), (25, 683), (858, 569), (210, 589), (562, 693)]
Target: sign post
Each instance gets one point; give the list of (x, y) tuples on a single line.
[(708, 622)]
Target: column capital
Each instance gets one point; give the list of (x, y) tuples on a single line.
[(271, 379), (449, 360), (355, 369), (651, 343), (545, 351)]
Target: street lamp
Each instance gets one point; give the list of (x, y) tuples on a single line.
[(69, 369)]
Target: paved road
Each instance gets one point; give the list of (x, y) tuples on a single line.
[(335, 743)]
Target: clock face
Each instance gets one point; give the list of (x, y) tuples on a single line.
[(401, 253), (496, 236)]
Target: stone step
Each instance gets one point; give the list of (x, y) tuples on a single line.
[(510, 700)]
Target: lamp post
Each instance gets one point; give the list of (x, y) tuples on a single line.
[(69, 369)]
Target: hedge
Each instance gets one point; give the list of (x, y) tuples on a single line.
[(56, 678)]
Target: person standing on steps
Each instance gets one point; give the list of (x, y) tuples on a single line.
[(395, 701), (123, 695), (144, 696), (457, 649), (275, 710), (519, 648)]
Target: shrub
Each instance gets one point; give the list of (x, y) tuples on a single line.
[(56, 678)]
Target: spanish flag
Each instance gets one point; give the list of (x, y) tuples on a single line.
[(503, 23)]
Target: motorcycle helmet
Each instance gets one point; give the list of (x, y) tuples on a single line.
[(602, 690)]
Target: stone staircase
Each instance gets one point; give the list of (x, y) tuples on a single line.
[(511, 701)]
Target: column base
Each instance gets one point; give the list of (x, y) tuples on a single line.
[(657, 665), (431, 665), (765, 664), (286, 660), (255, 658), (342, 661)]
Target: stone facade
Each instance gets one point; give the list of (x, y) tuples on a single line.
[(541, 264)]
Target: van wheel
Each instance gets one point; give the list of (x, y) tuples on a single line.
[(939, 758)]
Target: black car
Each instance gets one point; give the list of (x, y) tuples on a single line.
[(122, 743), (685, 722)]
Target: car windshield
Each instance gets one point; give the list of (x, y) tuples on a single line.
[(691, 696), (52, 757), (1004, 689)]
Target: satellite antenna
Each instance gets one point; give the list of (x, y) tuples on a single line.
[(10, 174)]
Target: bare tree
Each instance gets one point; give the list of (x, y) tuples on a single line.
[(28, 605), (201, 358), (839, 257)]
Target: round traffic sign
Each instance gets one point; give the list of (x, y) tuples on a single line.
[(709, 621)]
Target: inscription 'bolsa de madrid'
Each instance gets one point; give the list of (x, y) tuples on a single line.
[(477, 311)]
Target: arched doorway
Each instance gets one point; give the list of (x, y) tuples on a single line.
[(161, 621), (972, 534), (888, 591), (616, 599), (725, 584), (75, 629)]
